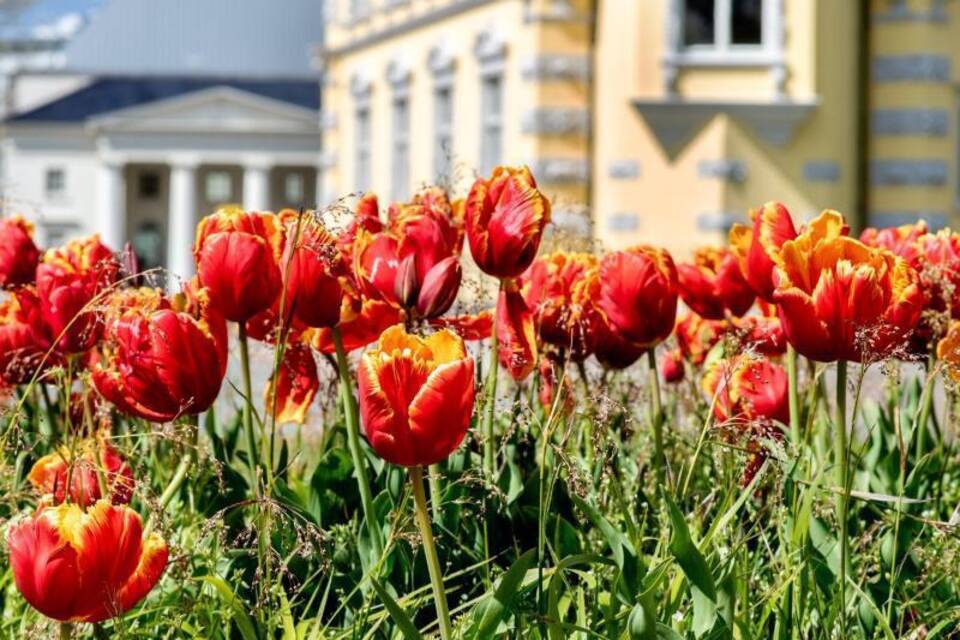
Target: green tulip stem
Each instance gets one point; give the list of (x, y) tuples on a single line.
[(841, 478), (793, 395), (656, 413), (489, 406), (353, 443), (430, 551), (252, 449)]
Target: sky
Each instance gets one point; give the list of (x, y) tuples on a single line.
[(45, 18)]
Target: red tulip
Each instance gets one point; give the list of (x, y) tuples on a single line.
[(505, 216), (842, 300), (671, 366), (68, 281), (562, 290), (312, 270), (471, 326), (24, 340), (296, 385), (18, 254), (747, 389), (163, 358), (612, 349), (901, 241), (713, 285), (696, 336), (416, 396), (550, 386), (413, 262), (362, 322), (516, 332), (79, 468), (76, 565), (757, 247), (238, 260), (638, 294)]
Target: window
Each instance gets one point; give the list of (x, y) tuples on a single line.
[(148, 245), (361, 148), (491, 123), (294, 190), (443, 132), (722, 24), (148, 185), (55, 183), (400, 167), (359, 9), (219, 187)]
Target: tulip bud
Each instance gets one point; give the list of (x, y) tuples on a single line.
[(440, 288), (671, 366), (405, 285), (18, 253)]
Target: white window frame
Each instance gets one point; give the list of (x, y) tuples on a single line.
[(400, 152), (362, 147), (210, 185), (59, 192), (491, 124), (294, 181), (723, 52), (443, 130)]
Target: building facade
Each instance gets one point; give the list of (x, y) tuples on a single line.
[(658, 121), (153, 120), (436, 91)]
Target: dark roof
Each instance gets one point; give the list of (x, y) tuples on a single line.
[(111, 94)]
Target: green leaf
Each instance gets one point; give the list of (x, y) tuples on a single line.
[(695, 567), (396, 612), (493, 610), (229, 598)]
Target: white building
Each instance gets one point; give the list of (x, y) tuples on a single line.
[(163, 111)]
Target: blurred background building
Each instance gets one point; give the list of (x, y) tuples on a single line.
[(656, 121), (154, 113), (659, 121)]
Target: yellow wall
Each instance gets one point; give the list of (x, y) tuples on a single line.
[(671, 198), (525, 38)]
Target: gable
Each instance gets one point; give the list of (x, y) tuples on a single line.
[(220, 109)]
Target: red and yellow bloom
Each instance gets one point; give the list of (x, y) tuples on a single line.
[(516, 332), (505, 216), (76, 471), (839, 299), (562, 290), (18, 253), (238, 260), (713, 285), (84, 565), (24, 340), (163, 357), (747, 389), (68, 281), (413, 263), (313, 267), (416, 396), (756, 246)]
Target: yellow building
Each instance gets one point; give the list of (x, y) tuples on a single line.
[(658, 121)]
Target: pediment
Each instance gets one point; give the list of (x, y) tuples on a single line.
[(219, 109)]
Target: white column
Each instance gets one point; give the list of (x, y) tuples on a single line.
[(183, 220), (111, 212), (256, 187)]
